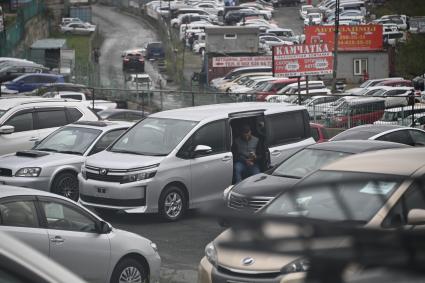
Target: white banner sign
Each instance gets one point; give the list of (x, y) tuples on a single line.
[(249, 61)]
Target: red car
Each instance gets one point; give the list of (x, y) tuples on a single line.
[(395, 83), (273, 87), (133, 61), (319, 132)]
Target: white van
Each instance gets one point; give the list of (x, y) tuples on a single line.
[(196, 26), (184, 158)]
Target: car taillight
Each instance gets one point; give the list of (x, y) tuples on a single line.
[(126, 59)]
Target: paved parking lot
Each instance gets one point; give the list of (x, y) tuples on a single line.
[(181, 244)]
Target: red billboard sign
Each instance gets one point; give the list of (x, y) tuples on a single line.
[(302, 60), (350, 38)]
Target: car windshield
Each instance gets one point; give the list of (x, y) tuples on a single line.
[(72, 140), (306, 161), (154, 137), (307, 101), (380, 92), (336, 196), (365, 84)]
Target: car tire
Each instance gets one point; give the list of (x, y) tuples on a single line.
[(66, 184), (172, 203), (129, 270)]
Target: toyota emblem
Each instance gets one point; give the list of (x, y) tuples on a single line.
[(103, 171), (248, 261)]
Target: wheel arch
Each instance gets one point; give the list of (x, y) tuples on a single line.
[(61, 171), (179, 185)]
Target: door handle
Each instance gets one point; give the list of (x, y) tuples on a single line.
[(34, 139), (226, 158), (57, 239), (276, 152)]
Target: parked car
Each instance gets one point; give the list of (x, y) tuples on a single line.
[(71, 20), (77, 238), (387, 196), (271, 41), (253, 193), (53, 164), (10, 72), (133, 60), (27, 120), (236, 72), (354, 112), (400, 115), (392, 133), (122, 115), (77, 28), (271, 88), (316, 104), (154, 50), (22, 263), (96, 104), (159, 165), (313, 19), (30, 82), (63, 87), (303, 11), (319, 132), (370, 83)]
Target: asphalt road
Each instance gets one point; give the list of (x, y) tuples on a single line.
[(181, 244)]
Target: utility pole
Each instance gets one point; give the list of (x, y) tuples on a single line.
[(335, 46)]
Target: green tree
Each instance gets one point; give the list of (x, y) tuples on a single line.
[(409, 58)]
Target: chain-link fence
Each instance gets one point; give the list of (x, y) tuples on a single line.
[(331, 110)]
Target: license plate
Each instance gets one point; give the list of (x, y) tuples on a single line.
[(101, 191)]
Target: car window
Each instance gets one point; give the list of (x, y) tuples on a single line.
[(413, 198), (29, 79), (51, 118), (106, 140), (417, 137), (72, 96), (63, 217), (286, 127), (18, 213), (212, 135), (118, 117), (397, 136), (74, 114), (134, 116), (22, 122)]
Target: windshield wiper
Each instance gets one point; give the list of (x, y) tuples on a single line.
[(126, 151), (286, 176), (46, 149), (70, 152)]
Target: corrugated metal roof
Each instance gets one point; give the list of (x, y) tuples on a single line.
[(49, 43), (233, 29)]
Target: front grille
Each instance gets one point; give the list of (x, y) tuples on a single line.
[(5, 172), (250, 203), (114, 202), (241, 276), (105, 178)]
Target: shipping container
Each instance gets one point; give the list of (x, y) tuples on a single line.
[(82, 12)]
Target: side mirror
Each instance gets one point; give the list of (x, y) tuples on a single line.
[(416, 217), (202, 149), (104, 227), (6, 129)]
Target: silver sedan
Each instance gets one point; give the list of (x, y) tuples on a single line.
[(76, 238)]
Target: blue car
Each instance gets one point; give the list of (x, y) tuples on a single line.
[(154, 50), (29, 82)]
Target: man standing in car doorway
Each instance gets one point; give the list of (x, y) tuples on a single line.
[(246, 160)]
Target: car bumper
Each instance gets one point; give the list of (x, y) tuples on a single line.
[(207, 273), (154, 268), (38, 183), (130, 197)]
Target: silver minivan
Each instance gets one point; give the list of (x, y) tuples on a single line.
[(180, 159)]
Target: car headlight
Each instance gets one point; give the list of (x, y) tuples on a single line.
[(138, 177), (299, 265), (211, 253), (28, 172), (154, 247), (226, 192)]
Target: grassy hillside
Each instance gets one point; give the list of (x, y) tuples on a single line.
[(407, 7)]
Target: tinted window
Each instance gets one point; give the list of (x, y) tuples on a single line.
[(18, 213), (417, 137), (397, 136), (72, 96), (286, 128), (21, 122), (134, 116), (63, 217), (212, 135), (118, 117), (315, 133), (74, 114), (52, 118)]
